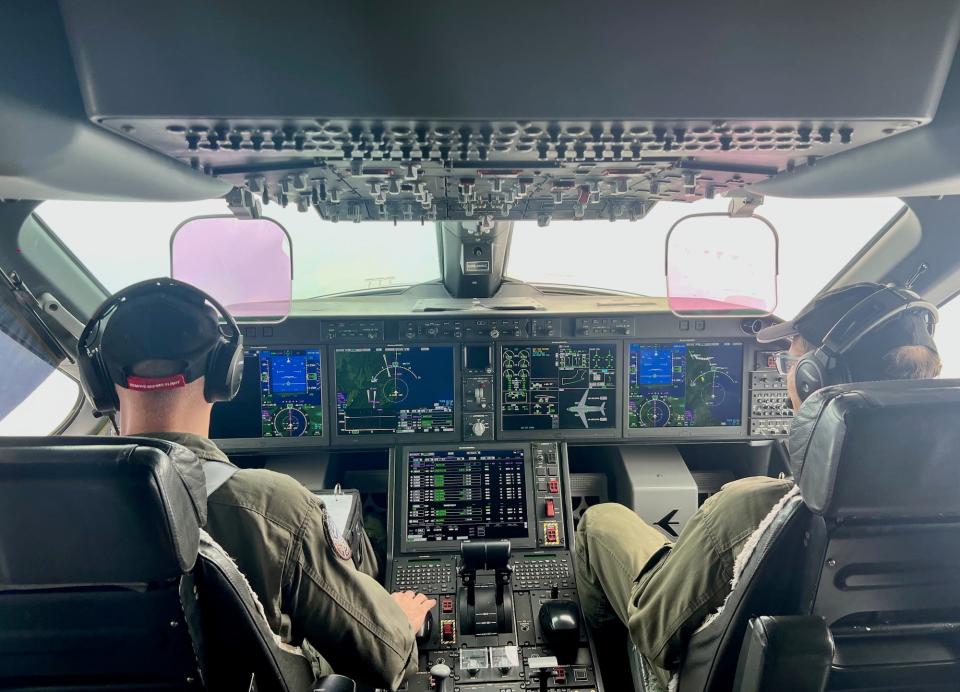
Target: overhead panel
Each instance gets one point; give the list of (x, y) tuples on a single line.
[(505, 110)]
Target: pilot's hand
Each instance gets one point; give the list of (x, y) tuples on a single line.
[(415, 606)]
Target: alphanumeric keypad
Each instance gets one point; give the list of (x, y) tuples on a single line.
[(540, 573), (429, 577)]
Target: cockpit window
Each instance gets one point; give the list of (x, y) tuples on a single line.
[(125, 242), (818, 237), (122, 243)]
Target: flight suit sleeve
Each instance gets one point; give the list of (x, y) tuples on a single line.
[(345, 614)]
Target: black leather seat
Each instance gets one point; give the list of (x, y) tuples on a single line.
[(869, 546), (108, 582)]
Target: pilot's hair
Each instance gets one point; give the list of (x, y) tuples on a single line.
[(910, 362)]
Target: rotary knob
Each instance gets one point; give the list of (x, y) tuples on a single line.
[(478, 428), (494, 333)]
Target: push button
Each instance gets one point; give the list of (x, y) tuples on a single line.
[(554, 485)]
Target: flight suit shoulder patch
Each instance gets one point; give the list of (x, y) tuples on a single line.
[(335, 539)]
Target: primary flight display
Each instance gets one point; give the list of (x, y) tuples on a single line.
[(394, 390), (280, 396), (685, 385), (559, 386)]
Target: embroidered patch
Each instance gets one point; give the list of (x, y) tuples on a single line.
[(339, 544)]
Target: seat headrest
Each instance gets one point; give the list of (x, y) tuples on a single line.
[(879, 449), (96, 510)]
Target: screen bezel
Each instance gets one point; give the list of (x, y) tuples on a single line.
[(400, 494), (612, 432), (381, 440), (256, 444), (708, 432)]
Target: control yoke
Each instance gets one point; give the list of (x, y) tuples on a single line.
[(486, 608)]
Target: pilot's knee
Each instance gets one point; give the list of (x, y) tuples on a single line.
[(608, 516)]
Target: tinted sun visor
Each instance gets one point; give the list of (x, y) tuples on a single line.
[(717, 264), (246, 264)]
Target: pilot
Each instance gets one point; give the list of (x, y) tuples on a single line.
[(155, 347), (662, 592)]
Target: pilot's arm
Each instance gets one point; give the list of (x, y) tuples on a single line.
[(346, 615)]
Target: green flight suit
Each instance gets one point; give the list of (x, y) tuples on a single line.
[(275, 530), (663, 592)]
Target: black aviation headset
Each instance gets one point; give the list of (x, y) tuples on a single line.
[(827, 364), (221, 365)]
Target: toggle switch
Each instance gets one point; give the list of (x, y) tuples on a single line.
[(550, 509)]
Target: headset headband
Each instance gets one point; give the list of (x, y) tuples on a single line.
[(870, 313), (144, 287)]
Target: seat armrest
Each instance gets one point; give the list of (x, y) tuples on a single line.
[(785, 653), (334, 683)]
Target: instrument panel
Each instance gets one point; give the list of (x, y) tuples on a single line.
[(379, 382)]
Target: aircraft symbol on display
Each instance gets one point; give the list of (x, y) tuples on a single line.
[(582, 408)]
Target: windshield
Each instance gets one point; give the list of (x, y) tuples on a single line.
[(818, 237), (122, 243), (125, 242)]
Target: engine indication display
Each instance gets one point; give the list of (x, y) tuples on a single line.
[(685, 384), (394, 390), (290, 396), (559, 387), (464, 494)]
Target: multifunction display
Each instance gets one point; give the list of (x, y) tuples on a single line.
[(280, 396), (685, 384), (559, 387), (395, 390), (458, 495)]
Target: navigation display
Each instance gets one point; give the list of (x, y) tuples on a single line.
[(459, 495), (280, 396), (559, 387), (394, 390), (685, 384)]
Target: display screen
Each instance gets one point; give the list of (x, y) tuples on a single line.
[(280, 396), (559, 387), (459, 495), (694, 385), (395, 390)]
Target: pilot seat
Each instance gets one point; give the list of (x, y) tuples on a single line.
[(853, 582), (108, 582)]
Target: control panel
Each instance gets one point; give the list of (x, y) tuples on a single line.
[(548, 503), (478, 370), (465, 378), (482, 530), (771, 413)]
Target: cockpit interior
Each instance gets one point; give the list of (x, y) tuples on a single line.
[(452, 237)]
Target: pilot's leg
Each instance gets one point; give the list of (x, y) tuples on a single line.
[(613, 547)]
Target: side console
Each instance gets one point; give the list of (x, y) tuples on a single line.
[(486, 530)]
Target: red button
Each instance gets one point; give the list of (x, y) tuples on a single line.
[(551, 511), (554, 485), (447, 605)]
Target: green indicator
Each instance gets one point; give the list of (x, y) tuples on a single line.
[(441, 512), (440, 495), (438, 481)]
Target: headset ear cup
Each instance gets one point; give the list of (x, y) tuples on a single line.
[(808, 377), (224, 371), (96, 383)]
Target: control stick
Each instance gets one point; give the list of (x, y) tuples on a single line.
[(560, 624), (440, 672)]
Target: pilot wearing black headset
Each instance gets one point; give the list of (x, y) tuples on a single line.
[(158, 354), (626, 569)]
